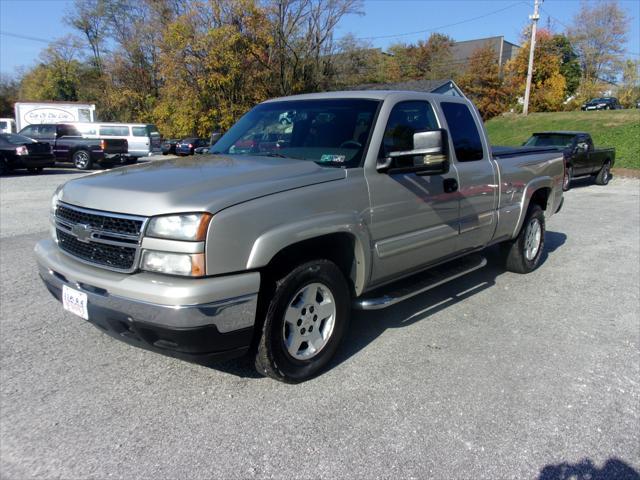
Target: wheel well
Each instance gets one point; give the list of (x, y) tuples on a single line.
[(540, 197), (336, 247)]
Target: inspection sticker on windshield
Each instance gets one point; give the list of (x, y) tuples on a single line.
[(75, 302), (326, 158)]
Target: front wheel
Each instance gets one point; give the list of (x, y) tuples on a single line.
[(4, 166), (523, 254), (604, 175), (306, 319), (82, 160)]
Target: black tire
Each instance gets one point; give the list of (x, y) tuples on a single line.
[(273, 359), (517, 256), (82, 160), (4, 168), (568, 177), (604, 175)]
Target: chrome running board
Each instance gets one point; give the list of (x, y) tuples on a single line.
[(388, 295)]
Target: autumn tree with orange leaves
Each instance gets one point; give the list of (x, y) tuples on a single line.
[(548, 86), (483, 84)]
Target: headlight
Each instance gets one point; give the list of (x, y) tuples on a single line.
[(190, 226), (188, 264), (22, 150), (55, 199), (52, 212)]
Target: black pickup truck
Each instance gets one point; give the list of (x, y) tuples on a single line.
[(69, 145), (581, 158)]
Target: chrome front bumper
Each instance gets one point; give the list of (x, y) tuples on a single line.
[(182, 317)]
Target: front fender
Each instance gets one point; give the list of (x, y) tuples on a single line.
[(270, 243)]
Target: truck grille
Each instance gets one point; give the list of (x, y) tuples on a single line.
[(104, 239), (123, 225), (121, 258)]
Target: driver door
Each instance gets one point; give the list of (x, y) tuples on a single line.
[(414, 221)]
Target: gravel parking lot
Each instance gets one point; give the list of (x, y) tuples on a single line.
[(496, 375)]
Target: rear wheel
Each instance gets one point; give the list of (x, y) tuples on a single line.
[(306, 319), (604, 175), (82, 160), (524, 252), (568, 176)]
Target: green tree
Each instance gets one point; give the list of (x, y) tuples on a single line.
[(213, 69), (9, 91), (59, 74), (629, 91), (569, 63), (548, 85)]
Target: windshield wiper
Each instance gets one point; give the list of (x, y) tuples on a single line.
[(278, 155)]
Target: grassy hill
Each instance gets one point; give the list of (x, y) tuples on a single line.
[(615, 128)]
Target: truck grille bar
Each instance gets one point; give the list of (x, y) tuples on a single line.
[(105, 239)]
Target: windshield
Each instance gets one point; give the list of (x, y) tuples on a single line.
[(328, 132), (550, 140), (15, 139)]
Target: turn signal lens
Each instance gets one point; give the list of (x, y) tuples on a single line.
[(190, 265)]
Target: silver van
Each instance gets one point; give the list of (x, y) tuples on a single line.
[(143, 138)]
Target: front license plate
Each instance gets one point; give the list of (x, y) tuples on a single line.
[(75, 302)]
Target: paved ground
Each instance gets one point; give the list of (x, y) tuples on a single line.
[(497, 375)]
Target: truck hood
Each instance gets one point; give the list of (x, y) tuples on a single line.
[(201, 183)]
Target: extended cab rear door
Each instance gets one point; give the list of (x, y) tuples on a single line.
[(414, 220), (477, 175)]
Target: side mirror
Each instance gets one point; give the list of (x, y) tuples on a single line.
[(428, 155)]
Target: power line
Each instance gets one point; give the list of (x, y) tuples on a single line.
[(429, 30), (41, 40)]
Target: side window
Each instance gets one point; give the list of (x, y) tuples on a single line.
[(28, 131), (463, 131), (67, 131), (114, 131), (47, 131), (589, 143), (405, 119), (139, 131)]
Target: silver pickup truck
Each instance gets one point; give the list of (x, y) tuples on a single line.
[(308, 207)]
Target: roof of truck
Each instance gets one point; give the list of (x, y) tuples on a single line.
[(561, 132), (364, 94)]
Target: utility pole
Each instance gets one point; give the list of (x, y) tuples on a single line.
[(534, 22)]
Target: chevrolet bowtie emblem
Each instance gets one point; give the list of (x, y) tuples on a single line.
[(82, 232)]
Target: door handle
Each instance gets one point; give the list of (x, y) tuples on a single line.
[(450, 185)]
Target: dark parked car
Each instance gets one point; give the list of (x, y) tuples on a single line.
[(581, 158), (70, 146), (202, 150), (607, 103), (168, 146), (17, 151), (187, 146)]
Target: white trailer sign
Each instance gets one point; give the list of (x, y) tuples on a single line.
[(28, 113)]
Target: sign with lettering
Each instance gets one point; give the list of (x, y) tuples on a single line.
[(48, 115)]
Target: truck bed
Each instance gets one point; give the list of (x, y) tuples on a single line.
[(498, 151)]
